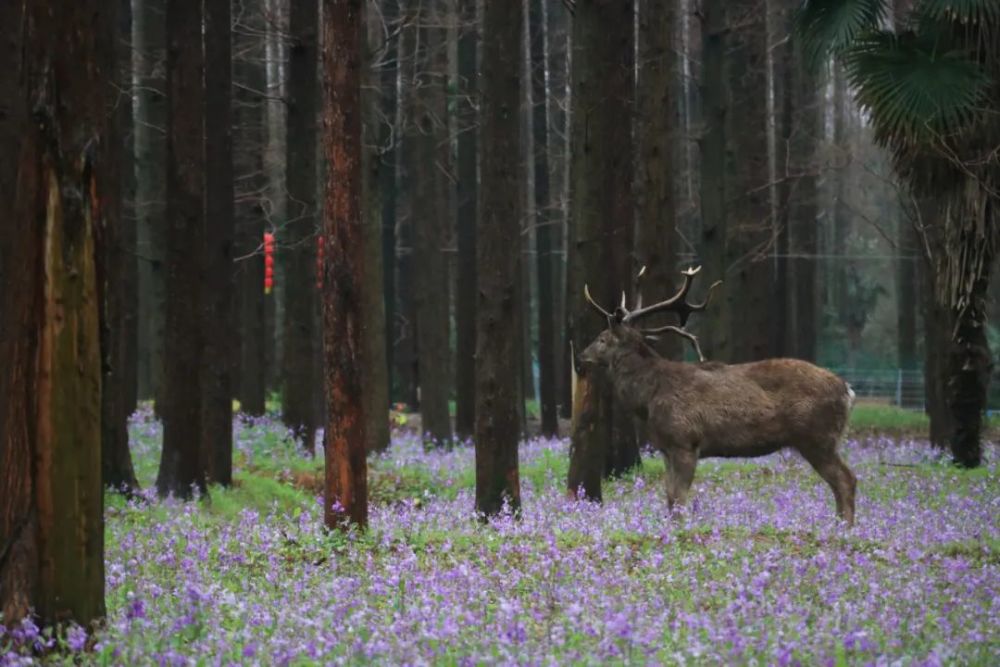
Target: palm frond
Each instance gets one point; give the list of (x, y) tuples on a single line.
[(963, 11), (829, 26), (915, 91)]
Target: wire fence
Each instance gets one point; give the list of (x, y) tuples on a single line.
[(902, 388)]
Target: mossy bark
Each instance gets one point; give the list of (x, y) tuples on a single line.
[(51, 518)]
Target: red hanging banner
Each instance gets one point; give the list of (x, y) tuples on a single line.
[(268, 262)]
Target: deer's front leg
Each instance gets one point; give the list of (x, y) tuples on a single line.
[(681, 463)]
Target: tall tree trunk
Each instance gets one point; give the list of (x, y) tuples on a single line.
[(802, 203), (405, 324), (748, 227), (376, 385), (467, 171), (51, 517), (184, 463), (970, 244), (714, 331), (114, 286), (656, 135), (498, 232), (569, 288), (937, 322), (130, 290), (389, 176), (430, 219), (841, 215), (149, 53), (545, 223), (601, 208), (297, 244), (345, 291), (218, 307), (906, 294), (250, 143)]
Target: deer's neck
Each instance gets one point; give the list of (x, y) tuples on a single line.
[(636, 375)]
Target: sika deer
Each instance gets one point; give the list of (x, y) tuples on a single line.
[(695, 410)]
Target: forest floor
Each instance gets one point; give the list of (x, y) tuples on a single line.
[(756, 570)]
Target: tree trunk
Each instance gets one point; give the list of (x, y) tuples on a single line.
[(218, 312), (555, 115), (431, 221), (748, 276), (656, 135), (298, 245), (498, 232), (906, 295), (149, 52), (51, 525), (250, 143), (970, 240), (937, 323), (569, 288), (602, 212), (389, 178), (130, 289), (802, 203), (345, 292), (376, 385), (714, 332), (405, 325), (545, 223), (114, 283), (465, 297), (841, 215), (184, 462)]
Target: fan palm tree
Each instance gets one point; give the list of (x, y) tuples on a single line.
[(932, 91)]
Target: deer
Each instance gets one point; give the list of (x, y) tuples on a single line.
[(711, 409)]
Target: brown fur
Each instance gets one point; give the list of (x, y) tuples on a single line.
[(739, 410)]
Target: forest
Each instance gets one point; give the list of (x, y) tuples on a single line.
[(499, 332)]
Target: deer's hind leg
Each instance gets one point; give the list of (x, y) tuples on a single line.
[(681, 464), (834, 471)]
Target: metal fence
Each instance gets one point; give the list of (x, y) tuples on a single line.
[(903, 388)]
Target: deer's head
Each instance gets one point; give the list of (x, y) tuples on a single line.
[(623, 333)]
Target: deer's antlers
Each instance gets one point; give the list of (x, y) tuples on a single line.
[(678, 304)]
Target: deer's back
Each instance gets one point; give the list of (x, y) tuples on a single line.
[(752, 409)]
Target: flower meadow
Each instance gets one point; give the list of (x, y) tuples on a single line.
[(756, 570)]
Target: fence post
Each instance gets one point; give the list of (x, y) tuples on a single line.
[(899, 387)]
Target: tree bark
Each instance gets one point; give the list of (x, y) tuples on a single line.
[(937, 323), (149, 46), (970, 242), (405, 324), (130, 289), (747, 291), (602, 212), (714, 331), (906, 295), (545, 223), (376, 386), (114, 286), (184, 462), (841, 216), (802, 203), (345, 291), (498, 231), (297, 245), (218, 307), (51, 525), (431, 221), (389, 178), (250, 142), (467, 171), (656, 135)]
